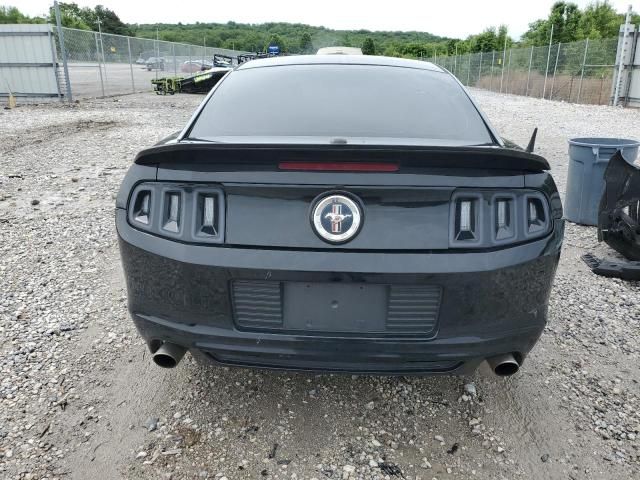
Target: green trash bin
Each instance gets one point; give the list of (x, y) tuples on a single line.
[(588, 159)]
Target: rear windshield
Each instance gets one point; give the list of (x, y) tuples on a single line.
[(375, 104)]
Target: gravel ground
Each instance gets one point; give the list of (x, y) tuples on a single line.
[(79, 397)]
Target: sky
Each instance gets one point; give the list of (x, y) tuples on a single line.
[(456, 19)]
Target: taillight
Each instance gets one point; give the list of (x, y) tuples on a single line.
[(536, 216), (184, 212), (504, 222), (171, 221), (483, 219), (207, 221), (466, 212), (142, 206)]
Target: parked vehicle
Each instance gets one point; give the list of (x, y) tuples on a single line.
[(340, 213), (144, 56), (155, 63), (339, 51), (193, 66)]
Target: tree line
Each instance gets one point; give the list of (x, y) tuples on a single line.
[(570, 23), (72, 16)]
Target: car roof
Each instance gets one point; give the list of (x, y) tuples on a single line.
[(372, 60)]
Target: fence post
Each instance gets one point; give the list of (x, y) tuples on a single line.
[(156, 66), (529, 72), (480, 69), (584, 60), (504, 60), (546, 72), (506, 87), (455, 63), (469, 71), (493, 59), (104, 61), (63, 50), (54, 64), (175, 67), (133, 83), (553, 80), (95, 35)]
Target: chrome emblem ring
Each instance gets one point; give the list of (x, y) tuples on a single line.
[(336, 218)]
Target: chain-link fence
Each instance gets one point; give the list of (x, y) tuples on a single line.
[(579, 72), (102, 64)]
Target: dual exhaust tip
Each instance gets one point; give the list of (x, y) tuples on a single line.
[(170, 354)]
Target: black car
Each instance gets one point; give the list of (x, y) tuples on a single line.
[(340, 213)]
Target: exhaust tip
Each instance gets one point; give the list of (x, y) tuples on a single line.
[(506, 369), (504, 365), (168, 355), (164, 361)]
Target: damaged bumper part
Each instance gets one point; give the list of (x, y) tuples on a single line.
[(618, 218), (626, 270)]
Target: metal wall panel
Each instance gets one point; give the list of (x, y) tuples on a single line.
[(28, 66), (633, 96)]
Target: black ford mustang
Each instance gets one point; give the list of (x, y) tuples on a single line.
[(340, 213)]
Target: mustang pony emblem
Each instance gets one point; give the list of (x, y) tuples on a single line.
[(336, 218)]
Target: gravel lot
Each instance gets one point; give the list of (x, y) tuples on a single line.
[(79, 397)]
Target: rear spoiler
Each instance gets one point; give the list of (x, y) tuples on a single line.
[(480, 157)]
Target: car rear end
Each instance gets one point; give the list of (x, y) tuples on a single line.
[(451, 263)]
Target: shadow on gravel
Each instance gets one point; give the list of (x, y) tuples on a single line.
[(255, 423)]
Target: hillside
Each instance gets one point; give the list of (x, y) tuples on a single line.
[(292, 38)]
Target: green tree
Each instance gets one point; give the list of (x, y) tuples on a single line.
[(71, 16), (110, 22), (565, 17), (306, 45), (486, 41), (12, 15), (600, 20), (392, 51), (257, 37), (368, 46)]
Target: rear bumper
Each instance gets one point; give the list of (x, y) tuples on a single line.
[(337, 354), (492, 303)]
